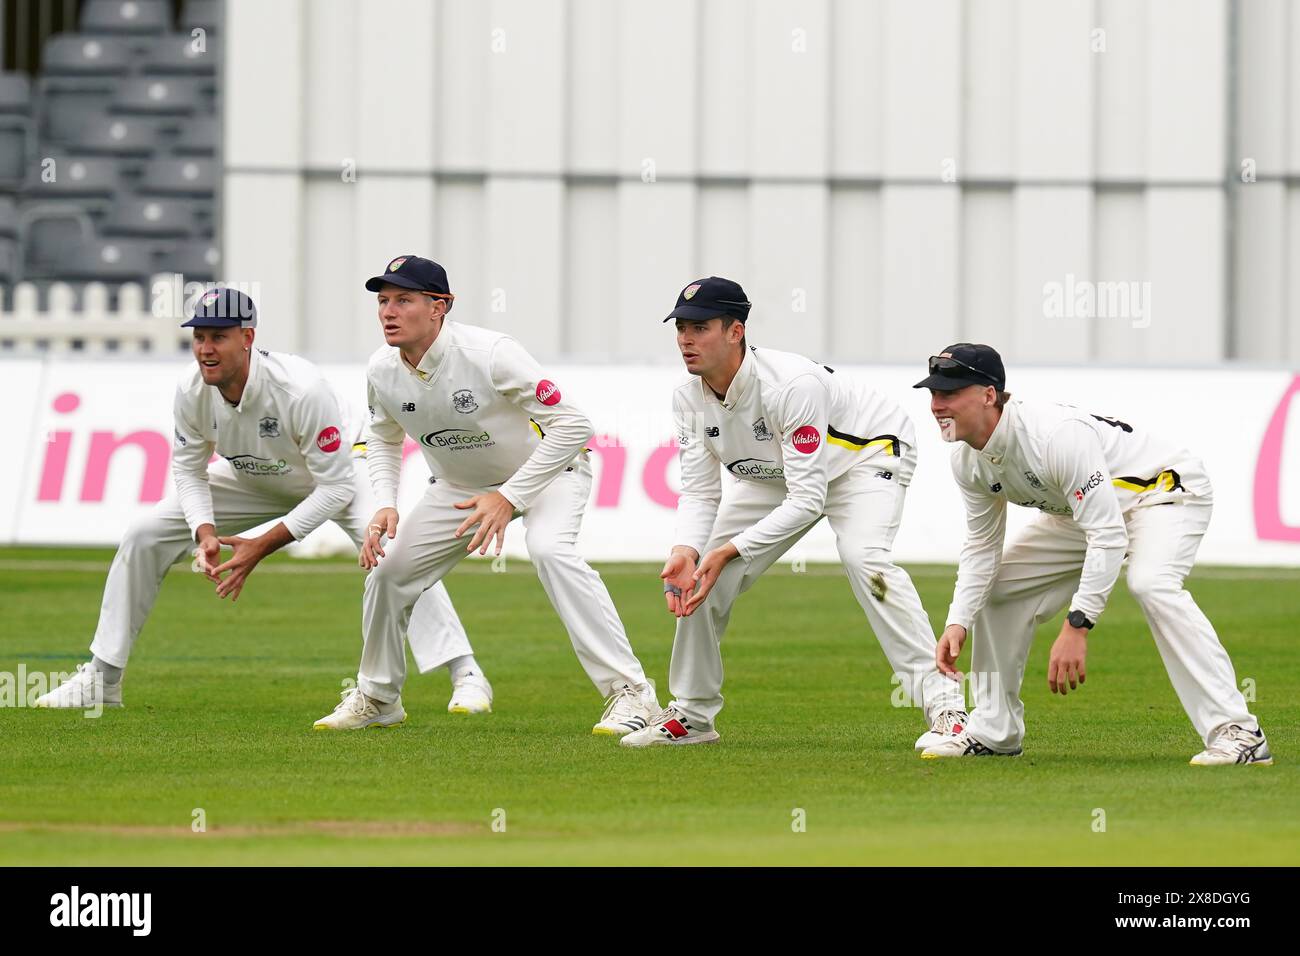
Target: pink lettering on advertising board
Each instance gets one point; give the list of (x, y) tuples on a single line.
[(1269, 525)]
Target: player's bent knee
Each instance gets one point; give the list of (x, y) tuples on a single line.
[(1148, 585)]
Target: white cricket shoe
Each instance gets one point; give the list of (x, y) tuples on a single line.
[(470, 694), (963, 745), (670, 727), (83, 691), (1235, 744), (947, 723), (628, 710), (356, 711)]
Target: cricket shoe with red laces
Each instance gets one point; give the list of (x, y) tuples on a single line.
[(670, 727)]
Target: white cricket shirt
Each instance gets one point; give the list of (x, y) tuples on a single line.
[(1063, 461), (484, 414), (785, 421), (287, 438)]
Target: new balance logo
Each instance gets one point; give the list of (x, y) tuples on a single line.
[(408, 406), (887, 475)]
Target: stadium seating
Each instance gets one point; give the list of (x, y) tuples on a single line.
[(74, 54), (126, 16), (109, 156)]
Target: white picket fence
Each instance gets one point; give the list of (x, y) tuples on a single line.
[(138, 322)]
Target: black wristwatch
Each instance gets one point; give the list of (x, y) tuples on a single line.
[(1079, 619)]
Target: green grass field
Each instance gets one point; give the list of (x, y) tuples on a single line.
[(220, 700)]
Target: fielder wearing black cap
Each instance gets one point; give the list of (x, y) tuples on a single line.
[(223, 308), (414, 273), (711, 298), (965, 364)]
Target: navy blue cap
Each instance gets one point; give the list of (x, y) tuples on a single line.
[(965, 364), (711, 298), (223, 308), (412, 272)]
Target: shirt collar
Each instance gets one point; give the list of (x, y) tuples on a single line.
[(428, 365), (247, 398), (999, 443), (739, 387)]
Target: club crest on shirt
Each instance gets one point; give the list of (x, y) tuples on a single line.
[(760, 431), (463, 401), (268, 428), (1033, 480)]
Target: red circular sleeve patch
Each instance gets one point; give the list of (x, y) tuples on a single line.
[(806, 438), (329, 439), (548, 393)]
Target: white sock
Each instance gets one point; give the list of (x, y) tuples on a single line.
[(458, 667), (112, 675)]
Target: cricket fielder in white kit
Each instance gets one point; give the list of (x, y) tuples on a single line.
[(1104, 489), (286, 453), (805, 443), (499, 439)]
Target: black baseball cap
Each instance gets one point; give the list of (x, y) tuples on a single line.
[(710, 298), (223, 308), (413, 272), (965, 364)]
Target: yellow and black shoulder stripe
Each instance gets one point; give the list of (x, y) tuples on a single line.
[(853, 443)]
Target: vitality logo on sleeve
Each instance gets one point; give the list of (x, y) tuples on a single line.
[(806, 439), (329, 439), (548, 393)]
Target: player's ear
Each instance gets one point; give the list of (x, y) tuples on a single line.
[(248, 336)]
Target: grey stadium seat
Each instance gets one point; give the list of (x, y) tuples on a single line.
[(198, 260), (15, 93), (9, 271), (201, 13), (51, 231), (98, 260), (180, 176), (73, 54), (67, 105), (75, 175), (174, 55), (161, 96), (117, 136), (126, 16), (198, 137), (8, 217), (150, 219), (70, 176), (15, 150)]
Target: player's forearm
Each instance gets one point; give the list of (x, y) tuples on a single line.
[(695, 517), (195, 498), (384, 464), (324, 502), (564, 441), (792, 515), (1101, 567), (976, 570), (274, 539)]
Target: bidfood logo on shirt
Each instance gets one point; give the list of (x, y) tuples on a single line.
[(757, 469), (456, 439), (259, 467)]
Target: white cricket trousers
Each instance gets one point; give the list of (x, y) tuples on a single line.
[(425, 550), (155, 542), (1038, 576), (864, 509)]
